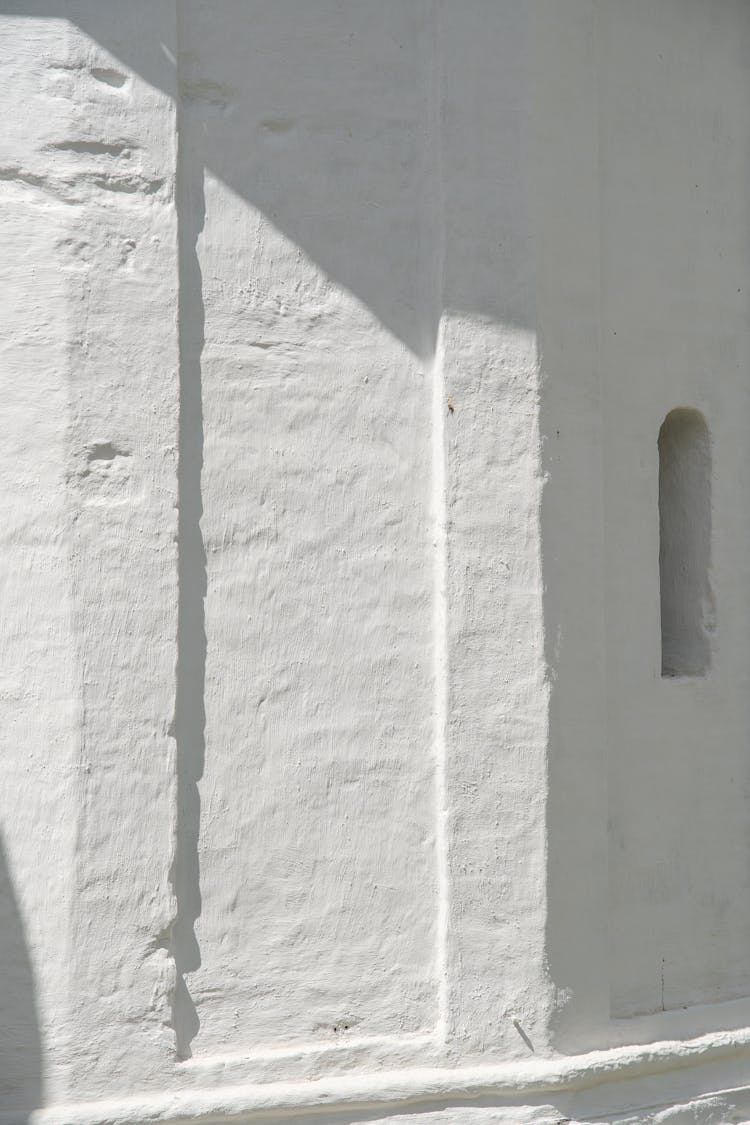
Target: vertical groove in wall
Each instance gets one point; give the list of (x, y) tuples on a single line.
[(439, 512), (189, 726)]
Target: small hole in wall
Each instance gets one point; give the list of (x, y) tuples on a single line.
[(109, 76), (685, 543), (104, 451)]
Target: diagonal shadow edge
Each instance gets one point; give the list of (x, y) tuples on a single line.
[(386, 284)]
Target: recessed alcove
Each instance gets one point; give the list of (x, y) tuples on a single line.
[(685, 543)]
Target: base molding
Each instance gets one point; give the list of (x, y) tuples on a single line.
[(617, 1085)]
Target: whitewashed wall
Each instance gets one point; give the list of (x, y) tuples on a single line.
[(340, 779)]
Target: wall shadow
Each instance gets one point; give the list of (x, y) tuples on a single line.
[(190, 713), (21, 1085), (258, 113)]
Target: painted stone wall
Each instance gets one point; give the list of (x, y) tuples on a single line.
[(374, 574)]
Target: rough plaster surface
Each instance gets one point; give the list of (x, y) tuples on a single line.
[(340, 780)]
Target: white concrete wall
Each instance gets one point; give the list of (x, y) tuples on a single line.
[(339, 775), (675, 284)]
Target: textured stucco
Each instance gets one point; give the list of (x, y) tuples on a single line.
[(339, 777)]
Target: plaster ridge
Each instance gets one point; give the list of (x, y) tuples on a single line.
[(389, 1089), (441, 658), (440, 518)]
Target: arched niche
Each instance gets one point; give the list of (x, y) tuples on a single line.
[(685, 543)]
